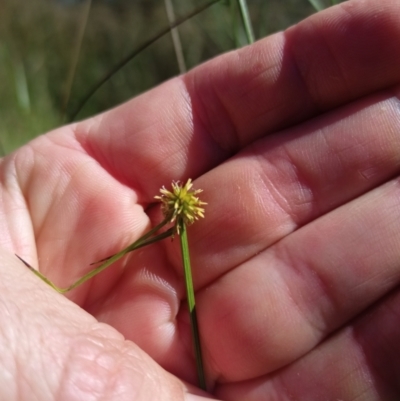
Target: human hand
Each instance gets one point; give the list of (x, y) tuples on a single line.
[(296, 264)]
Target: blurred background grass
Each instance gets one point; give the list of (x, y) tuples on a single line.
[(39, 40)]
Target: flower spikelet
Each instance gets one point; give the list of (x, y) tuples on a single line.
[(181, 204)]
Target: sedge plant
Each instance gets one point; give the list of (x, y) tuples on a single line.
[(181, 207)]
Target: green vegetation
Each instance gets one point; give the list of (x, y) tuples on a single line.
[(39, 40)]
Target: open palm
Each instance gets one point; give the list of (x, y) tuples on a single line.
[(295, 142)]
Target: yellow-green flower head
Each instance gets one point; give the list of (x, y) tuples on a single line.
[(181, 204)]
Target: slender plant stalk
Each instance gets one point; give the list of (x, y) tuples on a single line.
[(147, 239), (2, 150), (134, 53), (21, 85), (192, 305), (317, 4), (75, 56), (176, 40), (244, 12)]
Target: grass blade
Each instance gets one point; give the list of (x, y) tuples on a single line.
[(317, 4), (146, 239), (244, 12), (175, 37), (134, 53), (75, 56)]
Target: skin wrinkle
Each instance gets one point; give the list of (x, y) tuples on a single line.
[(306, 75), (244, 334), (113, 386), (342, 154), (194, 120), (201, 114), (286, 69), (55, 205), (340, 73), (23, 357), (270, 82), (8, 221), (323, 387), (358, 369), (324, 321), (365, 171), (309, 198), (365, 376), (360, 341), (160, 287), (64, 184), (308, 273), (299, 71), (8, 363), (389, 341), (343, 376), (263, 70), (280, 200), (187, 134), (108, 163), (276, 195), (37, 353), (185, 105), (72, 142), (340, 165), (83, 131), (343, 26), (352, 366), (99, 358), (288, 260), (385, 343), (26, 387), (13, 184)]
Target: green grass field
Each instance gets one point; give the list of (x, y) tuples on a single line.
[(53, 51)]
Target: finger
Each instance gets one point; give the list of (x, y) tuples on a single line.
[(285, 181), (64, 207), (51, 349), (283, 302), (263, 194), (190, 124), (359, 362)]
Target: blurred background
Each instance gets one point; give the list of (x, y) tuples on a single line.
[(53, 51)]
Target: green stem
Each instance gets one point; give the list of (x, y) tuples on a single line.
[(112, 259), (134, 246), (133, 54), (176, 40), (317, 4), (141, 242), (192, 304), (244, 12)]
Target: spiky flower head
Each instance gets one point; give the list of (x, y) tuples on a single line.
[(181, 204)]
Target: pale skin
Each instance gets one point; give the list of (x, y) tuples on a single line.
[(296, 264)]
